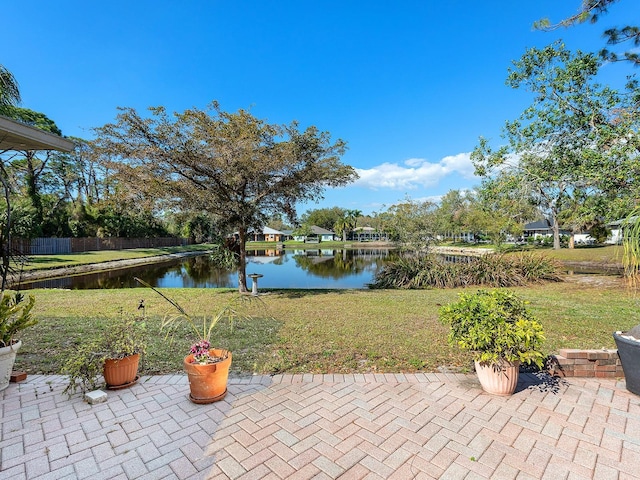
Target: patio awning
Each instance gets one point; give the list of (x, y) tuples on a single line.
[(18, 136)]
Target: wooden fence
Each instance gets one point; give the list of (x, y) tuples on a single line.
[(49, 246)]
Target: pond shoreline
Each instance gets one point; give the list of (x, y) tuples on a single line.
[(34, 275), (612, 269)]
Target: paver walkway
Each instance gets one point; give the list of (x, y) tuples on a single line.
[(322, 427)]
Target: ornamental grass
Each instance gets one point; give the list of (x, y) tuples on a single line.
[(428, 271)]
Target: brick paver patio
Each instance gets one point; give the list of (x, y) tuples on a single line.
[(323, 427)]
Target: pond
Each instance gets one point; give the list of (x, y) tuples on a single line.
[(309, 268)]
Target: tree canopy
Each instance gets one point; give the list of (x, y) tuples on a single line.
[(411, 224), (591, 11), (577, 138), (323, 217), (238, 168)]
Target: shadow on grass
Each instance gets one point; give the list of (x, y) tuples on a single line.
[(46, 260), (301, 293)]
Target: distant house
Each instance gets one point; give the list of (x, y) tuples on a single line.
[(541, 228), (616, 229), (367, 234), (317, 235), (266, 234), (468, 237)]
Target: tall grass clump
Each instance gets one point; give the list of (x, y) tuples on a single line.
[(401, 273), (496, 271), (631, 243)]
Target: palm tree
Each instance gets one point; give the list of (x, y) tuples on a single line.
[(341, 226), (352, 219), (9, 91)]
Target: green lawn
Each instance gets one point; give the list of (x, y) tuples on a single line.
[(609, 254), (63, 260), (321, 331)]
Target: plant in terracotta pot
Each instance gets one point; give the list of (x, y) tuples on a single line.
[(497, 326), (207, 368), (110, 357), (15, 316)]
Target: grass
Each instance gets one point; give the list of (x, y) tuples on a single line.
[(65, 260), (321, 331), (608, 254), (600, 254)]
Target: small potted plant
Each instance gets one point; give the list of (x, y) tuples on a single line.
[(15, 316), (110, 357), (497, 326), (207, 368)]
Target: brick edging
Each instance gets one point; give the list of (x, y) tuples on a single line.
[(570, 362)]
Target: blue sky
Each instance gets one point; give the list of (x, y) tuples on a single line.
[(410, 85)]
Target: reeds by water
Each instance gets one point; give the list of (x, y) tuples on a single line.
[(499, 270)]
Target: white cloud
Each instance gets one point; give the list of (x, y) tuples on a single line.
[(430, 198), (415, 173)]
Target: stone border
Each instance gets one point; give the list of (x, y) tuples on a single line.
[(586, 363)]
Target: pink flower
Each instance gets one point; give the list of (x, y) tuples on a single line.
[(200, 350)]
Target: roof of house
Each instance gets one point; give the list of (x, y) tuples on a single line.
[(320, 231), (364, 229), (620, 222), (21, 137), (545, 224), (271, 231)]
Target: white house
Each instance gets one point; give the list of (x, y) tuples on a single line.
[(317, 235)]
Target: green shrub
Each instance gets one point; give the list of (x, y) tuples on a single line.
[(124, 336), (496, 325)]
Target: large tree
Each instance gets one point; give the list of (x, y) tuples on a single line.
[(410, 224), (449, 216), (31, 165), (236, 167), (576, 135), (323, 217)]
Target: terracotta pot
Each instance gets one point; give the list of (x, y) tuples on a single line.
[(498, 379), (208, 382), (7, 359), (120, 373)]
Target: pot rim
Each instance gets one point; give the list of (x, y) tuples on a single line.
[(619, 338), (14, 346), (216, 351)]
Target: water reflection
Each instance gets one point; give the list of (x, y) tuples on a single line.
[(318, 268)]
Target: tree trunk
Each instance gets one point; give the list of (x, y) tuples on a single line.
[(556, 232), (242, 263), (572, 240), (5, 236)]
